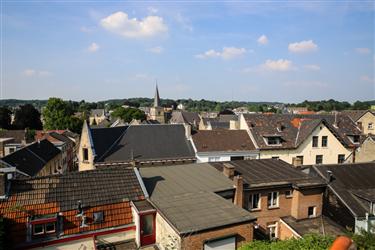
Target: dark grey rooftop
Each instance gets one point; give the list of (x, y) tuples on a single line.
[(261, 173), (142, 142), (353, 183), (185, 195), (318, 225)]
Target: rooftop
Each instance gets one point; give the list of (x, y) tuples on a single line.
[(222, 140), (185, 195)]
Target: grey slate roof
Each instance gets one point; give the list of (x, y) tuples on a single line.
[(319, 225), (97, 112), (185, 195), (143, 142), (33, 158), (180, 117), (262, 173), (92, 188), (355, 114), (353, 183)]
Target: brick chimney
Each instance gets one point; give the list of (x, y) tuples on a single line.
[(296, 162), (228, 170), (3, 184), (238, 195)]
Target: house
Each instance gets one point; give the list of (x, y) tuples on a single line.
[(62, 142), (184, 117), (365, 119), (97, 116), (296, 110), (219, 122), (277, 194), (366, 152), (144, 144), (156, 111), (197, 208), (78, 210), (223, 145), (350, 196), (303, 139), (13, 140), (37, 159)]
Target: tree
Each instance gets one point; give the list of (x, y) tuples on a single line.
[(58, 114), (5, 118), (128, 114), (27, 117)]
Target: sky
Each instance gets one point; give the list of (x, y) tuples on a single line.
[(287, 51)]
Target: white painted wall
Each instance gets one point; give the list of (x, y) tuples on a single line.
[(224, 156), (166, 236)]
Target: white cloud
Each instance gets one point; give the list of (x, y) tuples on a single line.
[(120, 23), (152, 10), (262, 40), (156, 50), (36, 73), (366, 78), (302, 47), (313, 67), (363, 51), (93, 47), (226, 53), (278, 65)]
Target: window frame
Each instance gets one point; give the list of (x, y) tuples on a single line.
[(324, 141), (102, 216), (251, 199), (84, 151), (271, 201), (41, 233), (276, 140), (316, 159), (290, 195), (370, 126), (315, 141), (275, 226), (313, 215), (339, 160)]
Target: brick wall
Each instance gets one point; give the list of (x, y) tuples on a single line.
[(243, 232)]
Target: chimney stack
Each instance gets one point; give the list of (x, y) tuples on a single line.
[(296, 162), (228, 170), (238, 195)]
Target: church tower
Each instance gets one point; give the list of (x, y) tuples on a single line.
[(157, 112)]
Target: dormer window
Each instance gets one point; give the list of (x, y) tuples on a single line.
[(354, 138), (44, 225), (273, 140)]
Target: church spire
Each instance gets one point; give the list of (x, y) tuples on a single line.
[(156, 98)]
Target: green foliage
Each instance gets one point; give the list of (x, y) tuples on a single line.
[(58, 114), (5, 118), (330, 105), (27, 117), (364, 240), (128, 114), (308, 242)]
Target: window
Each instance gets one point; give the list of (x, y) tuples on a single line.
[(319, 159), (301, 158), (275, 157), (370, 126), (38, 229), (288, 194), (315, 141), (236, 158), (324, 141), (11, 150), (213, 159), (273, 200), (273, 140), (50, 227), (254, 202), (272, 231), (341, 159), (354, 138), (98, 217), (85, 153), (311, 212)]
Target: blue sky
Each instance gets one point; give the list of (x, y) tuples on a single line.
[(285, 51)]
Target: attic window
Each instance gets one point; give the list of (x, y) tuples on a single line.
[(354, 138), (43, 226), (273, 140), (98, 217)]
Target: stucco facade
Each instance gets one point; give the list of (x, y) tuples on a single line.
[(367, 122), (366, 152), (86, 144)]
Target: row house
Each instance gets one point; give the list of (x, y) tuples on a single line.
[(350, 196), (303, 139), (365, 119), (197, 208), (222, 121), (286, 202), (223, 145), (37, 159), (143, 144), (79, 210), (62, 142)]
